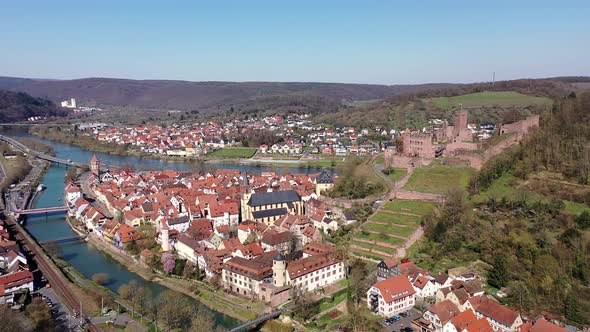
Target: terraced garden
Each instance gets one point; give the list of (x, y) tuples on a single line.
[(389, 228)]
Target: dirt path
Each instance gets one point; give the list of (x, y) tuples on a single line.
[(402, 251)]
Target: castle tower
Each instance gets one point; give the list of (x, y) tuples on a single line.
[(165, 240), (95, 165), (460, 123), (279, 270)]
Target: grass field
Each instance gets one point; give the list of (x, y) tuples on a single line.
[(398, 173), (233, 153), (439, 179), (395, 218), (489, 98), (416, 207), (507, 186), (389, 229)]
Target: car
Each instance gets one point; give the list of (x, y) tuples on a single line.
[(387, 322), (405, 314), (395, 318), (407, 329)]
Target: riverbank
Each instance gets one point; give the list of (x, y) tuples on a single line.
[(214, 299), (91, 144)]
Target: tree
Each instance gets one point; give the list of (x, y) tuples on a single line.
[(202, 322), (168, 262), (100, 278), (11, 321), (175, 310), (583, 220), (520, 296), (129, 293), (189, 270), (498, 275), (38, 313)]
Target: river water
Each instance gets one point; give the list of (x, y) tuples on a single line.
[(84, 256)]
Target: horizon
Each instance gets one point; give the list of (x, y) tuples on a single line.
[(331, 42)]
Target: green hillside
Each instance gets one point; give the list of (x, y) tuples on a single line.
[(489, 99)]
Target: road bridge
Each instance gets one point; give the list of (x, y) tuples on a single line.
[(244, 326), (45, 210), (23, 148), (65, 239)]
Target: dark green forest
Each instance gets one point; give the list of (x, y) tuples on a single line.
[(18, 106)]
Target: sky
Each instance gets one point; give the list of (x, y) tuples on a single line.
[(379, 42)]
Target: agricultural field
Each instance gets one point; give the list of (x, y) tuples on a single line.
[(233, 153), (389, 228), (439, 179), (489, 99)]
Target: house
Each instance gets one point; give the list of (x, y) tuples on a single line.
[(501, 318), (323, 182), (16, 282), (245, 276), (440, 313), (185, 247), (391, 296), (310, 273), (466, 321), (282, 242), (126, 234), (541, 325)]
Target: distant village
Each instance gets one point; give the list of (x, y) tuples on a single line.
[(296, 135)]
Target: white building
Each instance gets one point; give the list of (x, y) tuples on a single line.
[(391, 296)]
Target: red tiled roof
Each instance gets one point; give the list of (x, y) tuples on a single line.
[(395, 288), (497, 312), (542, 325)]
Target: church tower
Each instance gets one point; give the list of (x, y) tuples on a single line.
[(95, 165), (279, 270)]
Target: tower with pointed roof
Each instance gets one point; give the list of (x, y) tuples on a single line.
[(279, 270), (95, 165)]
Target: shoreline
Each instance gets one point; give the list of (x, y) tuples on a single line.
[(131, 152)]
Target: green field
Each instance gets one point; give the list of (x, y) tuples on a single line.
[(439, 179), (507, 186), (398, 173), (416, 207), (233, 153), (370, 246), (489, 98), (395, 218), (380, 238), (389, 229)]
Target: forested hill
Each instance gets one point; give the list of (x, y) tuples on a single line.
[(18, 106), (533, 205), (203, 96)]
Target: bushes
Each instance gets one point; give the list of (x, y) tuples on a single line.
[(356, 180)]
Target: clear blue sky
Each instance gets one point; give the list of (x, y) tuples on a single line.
[(386, 42)]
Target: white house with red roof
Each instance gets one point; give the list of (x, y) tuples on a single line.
[(391, 296)]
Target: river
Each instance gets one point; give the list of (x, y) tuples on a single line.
[(84, 256)]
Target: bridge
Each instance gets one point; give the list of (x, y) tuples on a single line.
[(23, 148), (258, 320), (65, 239), (46, 210)]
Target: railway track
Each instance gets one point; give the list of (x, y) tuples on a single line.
[(52, 274)]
